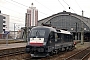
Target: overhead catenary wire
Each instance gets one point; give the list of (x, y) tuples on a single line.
[(68, 5), (10, 9), (19, 3), (27, 6), (13, 18), (44, 6), (61, 4), (14, 4), (22, 5), (78, 5), (43, 13), (16, 18)]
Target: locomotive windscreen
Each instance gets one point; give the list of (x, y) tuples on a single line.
[(37, 34), (37, 37)]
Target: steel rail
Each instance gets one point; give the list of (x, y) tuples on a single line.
[(85, 56), (77, 54), (12, 52)]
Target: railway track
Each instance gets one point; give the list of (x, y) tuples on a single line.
[(61, 55), (14, 54), (10, 52), (81, 55), (19, 54), (55, 56), (70, 55)]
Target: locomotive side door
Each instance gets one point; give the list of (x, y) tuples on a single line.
[(52, 38)]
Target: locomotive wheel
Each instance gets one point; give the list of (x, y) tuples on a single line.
[(51, 53), (66, 49), (63, 49), (70, 48)]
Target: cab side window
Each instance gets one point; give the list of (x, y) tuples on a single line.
[(52, 35)]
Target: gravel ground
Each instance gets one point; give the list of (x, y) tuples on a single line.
[(85, 45), (80, 46)]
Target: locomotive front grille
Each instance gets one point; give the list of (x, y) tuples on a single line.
[(41, 50), (37, 49)]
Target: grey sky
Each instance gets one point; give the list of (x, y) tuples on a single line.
[(17, 8)]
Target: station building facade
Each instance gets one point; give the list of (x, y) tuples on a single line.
[(71, 22)]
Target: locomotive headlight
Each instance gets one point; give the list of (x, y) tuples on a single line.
[(39, 38), (44, 43)]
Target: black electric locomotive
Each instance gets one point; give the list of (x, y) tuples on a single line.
[(45, 41)]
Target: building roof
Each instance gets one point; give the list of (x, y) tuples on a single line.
[(85, 20)]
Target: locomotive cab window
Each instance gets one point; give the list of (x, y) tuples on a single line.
[(52, 35), (59, 37)]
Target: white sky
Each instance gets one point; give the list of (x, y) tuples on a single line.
[(17, 8)]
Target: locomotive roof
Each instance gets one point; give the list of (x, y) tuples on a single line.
[(65, 32), (53, 29), (50, 28)]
